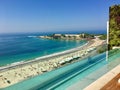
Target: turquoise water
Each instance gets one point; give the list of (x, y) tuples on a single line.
[(93, 73), (44, 82), (21, 47), (62, 78)]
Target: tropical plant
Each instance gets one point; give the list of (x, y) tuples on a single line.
[(114, 26)]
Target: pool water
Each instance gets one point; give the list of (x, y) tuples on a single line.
[(66, 77)]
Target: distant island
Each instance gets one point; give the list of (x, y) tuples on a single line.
[(81, 36)]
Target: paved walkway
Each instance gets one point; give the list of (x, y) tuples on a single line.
[(105, 80)]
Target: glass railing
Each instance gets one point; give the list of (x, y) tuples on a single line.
[(67, 76)]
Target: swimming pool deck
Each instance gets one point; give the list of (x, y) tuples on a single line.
[(91, 78), (101, 82)]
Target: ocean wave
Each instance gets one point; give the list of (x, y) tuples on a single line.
[(31, 36)]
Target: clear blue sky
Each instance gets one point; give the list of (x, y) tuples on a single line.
[(53, 15)]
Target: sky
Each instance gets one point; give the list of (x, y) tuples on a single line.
[(53, 15)]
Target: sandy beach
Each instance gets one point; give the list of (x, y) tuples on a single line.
[(20, 71)]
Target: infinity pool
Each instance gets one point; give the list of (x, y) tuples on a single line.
[(72, 75)]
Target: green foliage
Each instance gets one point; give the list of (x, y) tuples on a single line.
[(103, 37), (51, 35), (63, 35), (114, 26), (102, 49), (86, 35)]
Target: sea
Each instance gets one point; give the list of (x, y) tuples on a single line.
[(17, 47)]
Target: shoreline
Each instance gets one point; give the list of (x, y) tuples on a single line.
[(21, 71), (43, 57)]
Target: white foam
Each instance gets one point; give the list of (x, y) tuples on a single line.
[(31, 36)]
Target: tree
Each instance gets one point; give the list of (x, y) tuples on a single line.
[(114, 26)]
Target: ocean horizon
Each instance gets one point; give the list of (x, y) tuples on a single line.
[(101, 31)]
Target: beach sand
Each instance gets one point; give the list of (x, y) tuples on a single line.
[(17, 72)]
